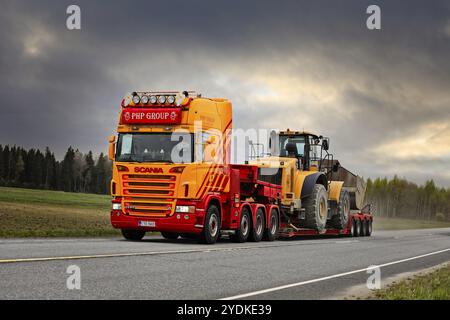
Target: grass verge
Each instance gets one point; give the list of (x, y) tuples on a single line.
[(431, 286)]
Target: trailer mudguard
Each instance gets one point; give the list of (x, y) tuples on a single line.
[(311, 180)]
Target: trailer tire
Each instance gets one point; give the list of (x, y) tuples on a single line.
[(340, 211), (369, 228), (133, 235), (170, 235), (357, 230), (271, 233), (211, 228), (316, 208), (258, 229), (364, 228), (242, 233)]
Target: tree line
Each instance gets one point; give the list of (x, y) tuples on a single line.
[(403, 199), (32, 168)]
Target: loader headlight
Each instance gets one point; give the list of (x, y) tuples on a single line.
[(185, 209), (116, 206)]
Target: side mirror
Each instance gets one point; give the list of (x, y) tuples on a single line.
[(325, 144), (112, 147)]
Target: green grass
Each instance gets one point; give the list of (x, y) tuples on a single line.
[(41, 213), (432, 286), (383, 223)]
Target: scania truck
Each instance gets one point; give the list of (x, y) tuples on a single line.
[(172, 174)]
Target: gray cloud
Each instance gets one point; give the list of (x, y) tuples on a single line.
[(294, 64)]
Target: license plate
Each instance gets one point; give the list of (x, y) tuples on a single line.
[(147, 223)]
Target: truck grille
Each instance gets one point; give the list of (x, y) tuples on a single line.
[(149, 195)]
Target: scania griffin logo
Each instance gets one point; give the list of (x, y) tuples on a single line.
[(147, 170)]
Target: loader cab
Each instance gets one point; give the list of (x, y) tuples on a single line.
[(306, 147)]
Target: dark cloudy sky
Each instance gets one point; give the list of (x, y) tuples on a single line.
[(382, 96)]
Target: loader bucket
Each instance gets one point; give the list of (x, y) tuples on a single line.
[(355, 185)]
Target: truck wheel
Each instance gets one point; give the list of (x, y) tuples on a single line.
[(170, 235), (258, 230), (243, 231), (211, 228), (270, 234), (316, 208), (369, 228), (340, 211), (133, 235)]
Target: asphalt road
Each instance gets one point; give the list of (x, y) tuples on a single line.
[(113, 268)]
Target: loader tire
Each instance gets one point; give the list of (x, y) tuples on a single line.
[(316, 209), (211, 228), (242, 233), (340, 211), (133, 235), (170, 235), (260, 224), (271, 233)]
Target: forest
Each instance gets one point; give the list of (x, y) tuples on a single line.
[(37, 169), (78, 172)]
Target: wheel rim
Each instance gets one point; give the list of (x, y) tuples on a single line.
[(322, 207), (244, 225), (273, 222), (213, 225), (259, 224)]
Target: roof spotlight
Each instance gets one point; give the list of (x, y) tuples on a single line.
[(136, 99), (171, 99), (162, 99), (144, 99), (153, 99)]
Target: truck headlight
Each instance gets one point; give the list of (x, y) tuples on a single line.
[(116, 206), (185, 209)]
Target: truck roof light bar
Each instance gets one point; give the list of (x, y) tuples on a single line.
[(160, 98)]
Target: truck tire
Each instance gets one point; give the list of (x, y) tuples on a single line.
[(271, 233), (242, 233), (316, 209), (258, 229), (211, 227), (133, 235), (340, 211), (170, 235)]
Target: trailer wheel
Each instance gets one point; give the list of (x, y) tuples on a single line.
[(241, 234), (258, 230), (271, 233), (211, 228), (170, 235), (133, 235), (364, 228), (340, 211), (316, 208), (357, 230), (369, 228)]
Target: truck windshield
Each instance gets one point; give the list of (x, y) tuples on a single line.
[(155, 147)]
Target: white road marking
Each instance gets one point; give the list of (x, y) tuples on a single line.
[(151, 253), (297, 284)]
